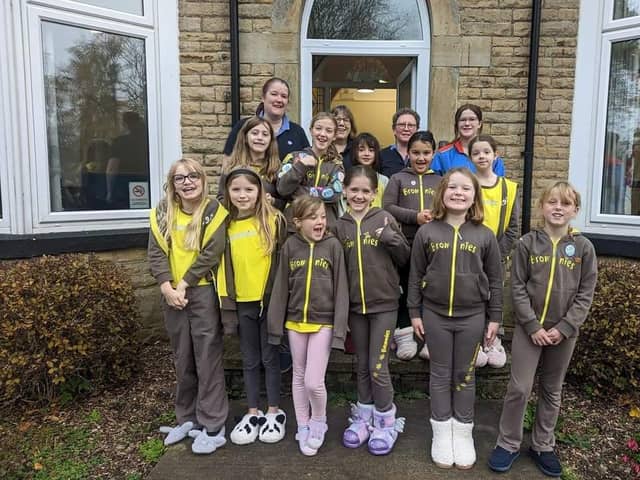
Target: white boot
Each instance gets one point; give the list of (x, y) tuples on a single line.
[(442, 443), (406, 346), (464, 452)]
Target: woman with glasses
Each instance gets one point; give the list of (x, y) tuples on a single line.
[(345, 134), (467, 124), (394, 158)]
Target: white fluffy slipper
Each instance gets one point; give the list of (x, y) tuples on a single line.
[(204, 443), (442, 443), (464, 452), (246, 431), (407, 348), (176, 434), (273, 429)]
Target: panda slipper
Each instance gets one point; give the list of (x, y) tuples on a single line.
[(273, 429), (246, 431)]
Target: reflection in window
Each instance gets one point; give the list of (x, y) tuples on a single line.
[(626, 8), (621, 165), (96, 111), (127, 6), (365, 20)]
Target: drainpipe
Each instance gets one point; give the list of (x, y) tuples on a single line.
[(530, 124), (235, 61)]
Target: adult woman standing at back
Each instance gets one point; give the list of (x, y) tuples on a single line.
[(467, 124), (345, 134), (273, 107)]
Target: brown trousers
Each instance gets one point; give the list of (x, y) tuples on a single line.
[(195, 334), (372, 334), (525, 356)]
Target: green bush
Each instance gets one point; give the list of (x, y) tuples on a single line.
[(607, 355), (65, 322)]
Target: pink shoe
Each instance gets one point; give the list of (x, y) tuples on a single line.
[(424, 352), (302, 436), (317, 430), (357, 433), (496, 356), (407, 348), (481, 359)]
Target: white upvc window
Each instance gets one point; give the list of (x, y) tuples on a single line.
[(605, 138), (91, 112)]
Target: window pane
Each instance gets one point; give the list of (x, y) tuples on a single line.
[(127, 6), (626, 8), (365, 20), (96, 111), (621, 165)]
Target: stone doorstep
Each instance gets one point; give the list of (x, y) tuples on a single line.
[(341, 373)]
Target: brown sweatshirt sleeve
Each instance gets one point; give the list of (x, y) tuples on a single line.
[(209, 256), (395, 243), (510, 234), (416, 274), (577, 313), (158, 261), (221, 187), (492, 264), (390, 203), (341, 297), (524, 313), (291, 177), (278, 304)]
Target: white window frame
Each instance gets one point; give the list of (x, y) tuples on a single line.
[(401, 48), (589, 117), (28, 195)]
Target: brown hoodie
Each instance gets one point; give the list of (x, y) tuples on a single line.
[(455, 272), (310, 287), (406, 195), (374, 283), (553, 284)]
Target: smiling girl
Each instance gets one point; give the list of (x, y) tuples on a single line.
[(309, 300), (374, 249), (455, 286), (408, 197), (317, 171), (186, 240), (256, 148), (255, 232)]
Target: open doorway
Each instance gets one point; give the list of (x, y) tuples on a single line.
[(374, 64), (373, 87)]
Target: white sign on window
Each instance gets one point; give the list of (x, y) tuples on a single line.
[(138, 194)]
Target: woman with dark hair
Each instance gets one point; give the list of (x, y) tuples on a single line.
[(345, 134), (467, 124), (275, 98)]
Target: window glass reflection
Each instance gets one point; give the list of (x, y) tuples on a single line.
[(365, 20), (96, 112), (126, 6), (621, 163), (626, 8)]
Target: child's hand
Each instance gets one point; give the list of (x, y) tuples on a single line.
[(418, 327), (423, 217), (491, 333), (555, 336), (541, 338), (378, 231), (173, 297)]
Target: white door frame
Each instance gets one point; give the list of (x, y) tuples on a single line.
[(420, 49)]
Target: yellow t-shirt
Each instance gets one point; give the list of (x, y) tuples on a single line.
[(180, 258), (251, 264), (493, 204)]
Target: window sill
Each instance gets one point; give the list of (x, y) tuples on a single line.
[(24, 246), (615, 246)]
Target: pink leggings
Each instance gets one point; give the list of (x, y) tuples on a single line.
[(310, 354)]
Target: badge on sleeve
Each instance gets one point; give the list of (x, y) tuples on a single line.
[(327, 193), (313, 191)]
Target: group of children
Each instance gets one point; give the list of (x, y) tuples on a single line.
[(334, 261)]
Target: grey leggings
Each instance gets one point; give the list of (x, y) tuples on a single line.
[(256, 351), (371, 334), (453, 346)]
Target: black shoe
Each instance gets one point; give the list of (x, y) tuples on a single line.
[(502, 459), (547, 462)]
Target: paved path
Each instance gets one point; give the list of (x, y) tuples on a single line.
[(282, 461)]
